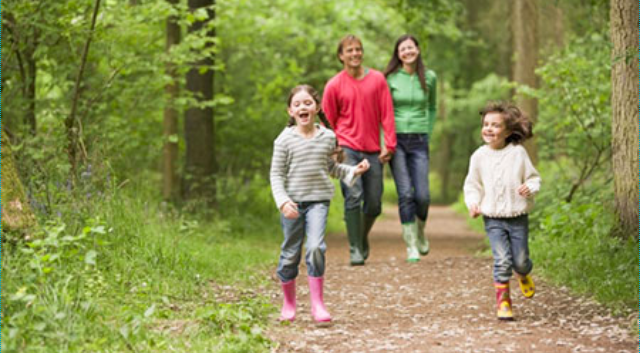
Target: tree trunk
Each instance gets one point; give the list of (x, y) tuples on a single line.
[(30, 92), (198, 125), (446, 141), (170, 125), (16, 213), (71, 122), (624, 125), (525, 35)]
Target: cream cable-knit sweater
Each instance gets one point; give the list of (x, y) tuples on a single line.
[(494, 178)]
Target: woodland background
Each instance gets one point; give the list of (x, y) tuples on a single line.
[(137, 137)]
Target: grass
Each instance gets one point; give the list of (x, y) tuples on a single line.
[(137, 278)]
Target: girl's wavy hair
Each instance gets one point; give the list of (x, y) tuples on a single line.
[(515, 120), (338, 154)]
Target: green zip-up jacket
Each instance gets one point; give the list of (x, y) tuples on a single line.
[(415, 112)]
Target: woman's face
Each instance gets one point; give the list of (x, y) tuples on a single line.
[(303, 109), (408, 52)]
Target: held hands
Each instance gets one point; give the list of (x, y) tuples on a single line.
[(474, 211), (362, 167), (524, 190), (290, 210), (385, 155)]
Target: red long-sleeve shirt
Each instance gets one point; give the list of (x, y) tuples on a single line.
[(357, 108)]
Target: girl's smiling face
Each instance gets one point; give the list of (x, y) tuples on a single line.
[(494, 130), (303, 109)]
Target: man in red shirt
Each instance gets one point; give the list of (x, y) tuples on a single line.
[(357, 103)]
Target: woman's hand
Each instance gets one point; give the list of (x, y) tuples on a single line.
[(290, 210), (524, 190), (474, 211), (362, 167)]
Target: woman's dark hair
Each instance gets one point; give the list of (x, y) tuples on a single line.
[(338, 153), (515, 120), (395, 64)]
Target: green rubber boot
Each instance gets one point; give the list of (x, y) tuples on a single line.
[(410, 236), (423, 243), (368, 224), (354, 222)]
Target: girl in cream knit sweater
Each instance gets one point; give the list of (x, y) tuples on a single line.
[(500, 186)]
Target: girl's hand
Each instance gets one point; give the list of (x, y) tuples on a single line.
[(524, 190), (362, 167), (290, 210), (474, 211)]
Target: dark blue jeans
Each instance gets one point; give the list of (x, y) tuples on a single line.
[(312, 222), (366, 193), (509, 239), (410, 168)]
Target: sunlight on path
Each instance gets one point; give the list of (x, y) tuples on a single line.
[(444, 303)]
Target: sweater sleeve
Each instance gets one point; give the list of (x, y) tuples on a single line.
[(473, 188), (330, 105), (531, 176), (432, 101), (388, 120), (278, 174)]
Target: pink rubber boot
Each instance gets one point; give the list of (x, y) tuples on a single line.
[(288, 312), (318, 310)]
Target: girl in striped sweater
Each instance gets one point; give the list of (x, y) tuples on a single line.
[(304, 156)]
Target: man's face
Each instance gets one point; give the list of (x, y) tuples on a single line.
[(352, 54)]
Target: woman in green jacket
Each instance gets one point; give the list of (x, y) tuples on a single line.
[(413, 89)]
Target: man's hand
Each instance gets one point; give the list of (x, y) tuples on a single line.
[(385, 155), (290, 210), (362, 167), (474, 211)]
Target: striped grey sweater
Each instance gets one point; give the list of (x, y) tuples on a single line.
[(300, 168)]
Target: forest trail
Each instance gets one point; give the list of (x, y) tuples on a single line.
[(444, 303)]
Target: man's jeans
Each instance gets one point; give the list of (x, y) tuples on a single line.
[(366, 193), (311, 222), (509, 239), (410, 168)]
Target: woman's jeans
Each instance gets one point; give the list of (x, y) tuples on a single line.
[(311, 222), (509, 239), (410, 168), (366, 193)]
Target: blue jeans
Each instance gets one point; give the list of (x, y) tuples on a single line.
[(311, 222), (410, 168), (366, 194), (509, 239)]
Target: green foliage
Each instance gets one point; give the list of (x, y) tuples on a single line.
[(574, 128), (131, 273), (571, 244)]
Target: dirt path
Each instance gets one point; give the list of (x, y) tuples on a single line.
[(444, 303)]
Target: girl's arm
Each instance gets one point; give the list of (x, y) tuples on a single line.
[(531, 177), (277, 174), (349, 174), (473, 187)]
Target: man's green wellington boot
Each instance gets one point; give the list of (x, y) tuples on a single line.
[(368, 224), (410, 236), (353, 220), (423, 242)]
